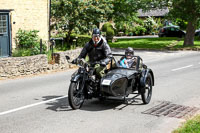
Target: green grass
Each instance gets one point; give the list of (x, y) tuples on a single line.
[(191, 126), (180, 45), (152, 43)]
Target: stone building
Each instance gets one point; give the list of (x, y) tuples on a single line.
[(24, 14)]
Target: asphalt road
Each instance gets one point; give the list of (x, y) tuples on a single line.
[(39, 104)]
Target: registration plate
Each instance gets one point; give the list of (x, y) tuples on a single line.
[(106, 82)]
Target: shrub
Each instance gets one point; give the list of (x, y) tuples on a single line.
[(148, 24), (139, 30), (27, 39), (28, 43), (108, 28), (21, 52), (81, 39)]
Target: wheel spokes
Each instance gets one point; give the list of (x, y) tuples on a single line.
[(77, 95), (147, 89)]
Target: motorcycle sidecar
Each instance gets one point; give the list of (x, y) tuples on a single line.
[(120, 82)]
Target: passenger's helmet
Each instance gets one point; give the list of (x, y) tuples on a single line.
[(129, 52)]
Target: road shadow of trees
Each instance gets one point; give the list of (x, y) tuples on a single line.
[(89, 105)]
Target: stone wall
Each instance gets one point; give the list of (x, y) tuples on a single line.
[(61, 59), (31, 65), (19, 66)]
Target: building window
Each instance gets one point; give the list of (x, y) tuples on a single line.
[(3, 24)]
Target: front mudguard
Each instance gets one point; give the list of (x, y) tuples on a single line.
[(143, 78), (75, 78)]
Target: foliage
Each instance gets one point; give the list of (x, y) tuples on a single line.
[(198, 24), (79, 16), (109, 30), (28, 43), (127, 26), (124, 10), (21, 52), (191, 126), (188, 11), (105, 26), (139, 30), (81, 39), (151, 25), (181, 23), (26, 39), (110, 33)]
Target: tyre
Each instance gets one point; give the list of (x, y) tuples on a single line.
[(75, 95), (146, 96), (102, 99)]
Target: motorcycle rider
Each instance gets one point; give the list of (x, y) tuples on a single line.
[(97, 50), (128, 61)]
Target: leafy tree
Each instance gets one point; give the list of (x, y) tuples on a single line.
[(78, 15), (124, 10), (125, 13), (186, 10), (189, 11)]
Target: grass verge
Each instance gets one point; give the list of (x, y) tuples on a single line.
[(164, 43), (190, 126)]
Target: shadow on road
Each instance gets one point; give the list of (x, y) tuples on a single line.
[(89, 105), (96, 105), (57, 105)]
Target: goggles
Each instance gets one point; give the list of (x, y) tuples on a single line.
[(95, 35)]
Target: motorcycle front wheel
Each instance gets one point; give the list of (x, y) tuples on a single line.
[(75, 95)]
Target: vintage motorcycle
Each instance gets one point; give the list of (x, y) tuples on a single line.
[(117, 83)]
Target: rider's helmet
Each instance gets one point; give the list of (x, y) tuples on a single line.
[(129, 52), (96, 32), (96, 36)]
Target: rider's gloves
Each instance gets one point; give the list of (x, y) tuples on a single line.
[(75, 61)]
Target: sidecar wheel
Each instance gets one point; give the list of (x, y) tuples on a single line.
[(102, 99), (75, 96), (146, 96)]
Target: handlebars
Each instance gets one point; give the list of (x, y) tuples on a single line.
[(82, 62)]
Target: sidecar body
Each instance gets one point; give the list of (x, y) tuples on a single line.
[(120, 82)]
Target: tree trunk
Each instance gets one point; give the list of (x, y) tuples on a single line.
[(68, 36), (190, 31)]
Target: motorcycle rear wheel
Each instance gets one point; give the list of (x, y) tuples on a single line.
[(75, 95)]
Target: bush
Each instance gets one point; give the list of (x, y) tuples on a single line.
[(81, 39), (109, 30), (148, 24), (28, 43), (139, 30), (110, 33), (21, 52), (29, 51), (27, 39)]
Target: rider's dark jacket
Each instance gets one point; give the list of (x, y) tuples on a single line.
[(101, 52)]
